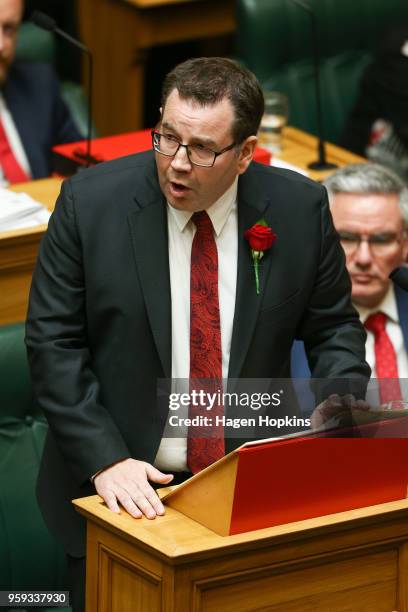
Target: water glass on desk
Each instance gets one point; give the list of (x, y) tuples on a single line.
[(274, 120)]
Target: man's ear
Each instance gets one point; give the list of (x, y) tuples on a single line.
[(405, 246), (246, 153), (158, 122)]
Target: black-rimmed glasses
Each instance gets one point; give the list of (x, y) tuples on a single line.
[(379, 243), (198, 154)]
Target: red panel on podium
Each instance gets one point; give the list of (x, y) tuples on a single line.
[(304, 478), (273, 482)]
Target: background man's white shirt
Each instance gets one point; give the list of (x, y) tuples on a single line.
[(389, 307)]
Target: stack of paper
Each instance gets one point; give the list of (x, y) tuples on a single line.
[(18, 210), (280, 163)]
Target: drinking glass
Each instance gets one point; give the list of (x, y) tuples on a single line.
[(273, 121)]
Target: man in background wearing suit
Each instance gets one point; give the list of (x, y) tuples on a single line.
[(145, 273), (369, 204), (33, 116)]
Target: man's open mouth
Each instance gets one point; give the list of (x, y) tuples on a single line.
[(178, 187)]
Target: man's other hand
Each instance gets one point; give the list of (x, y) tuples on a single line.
[(127, 482), (336, 411)]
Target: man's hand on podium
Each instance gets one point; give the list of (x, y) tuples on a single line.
[(127, 482)]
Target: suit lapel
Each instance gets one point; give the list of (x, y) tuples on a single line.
[(251, 208), (402, 306), (148, 228), (26, 127)]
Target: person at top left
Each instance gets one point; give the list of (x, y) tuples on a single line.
[(33, 115)]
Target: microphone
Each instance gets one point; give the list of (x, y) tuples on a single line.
[(48, 23), (321, 163), (44, 21), (400, 277)]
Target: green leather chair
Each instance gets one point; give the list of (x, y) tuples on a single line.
[(36, 45), (273, 40), (30, 559)]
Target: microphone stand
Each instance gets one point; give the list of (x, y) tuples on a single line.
[(321, 163), (48, 23)]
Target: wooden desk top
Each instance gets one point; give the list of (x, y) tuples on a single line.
[(153, 3), (44, 191), (177, 536), (18, 253), (300, 148)]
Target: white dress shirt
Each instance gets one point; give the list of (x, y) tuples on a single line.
[(172, 453), (389, 307), (14, 141)]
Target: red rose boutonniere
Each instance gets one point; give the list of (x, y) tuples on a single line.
[(260, 237)]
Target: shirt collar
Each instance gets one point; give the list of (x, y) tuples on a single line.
[(388, 306), (218, 212)]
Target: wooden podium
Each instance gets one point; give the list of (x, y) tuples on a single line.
[(188, 561), (355, 561), (351, 561)]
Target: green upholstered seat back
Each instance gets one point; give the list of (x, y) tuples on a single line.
[(35, 44), (29, 556), (340, 76), (273, 40), (272, 33)]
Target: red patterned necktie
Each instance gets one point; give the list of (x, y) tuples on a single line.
[(11, 168), (205, 444), (385, 359)]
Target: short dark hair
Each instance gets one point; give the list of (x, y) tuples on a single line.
[(208, 80)]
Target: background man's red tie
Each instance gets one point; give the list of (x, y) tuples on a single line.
[(385, 359), (11, 168), (206, 445)]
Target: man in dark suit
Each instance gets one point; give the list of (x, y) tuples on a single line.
[(117, 303), (369, 204), (33, 115)]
